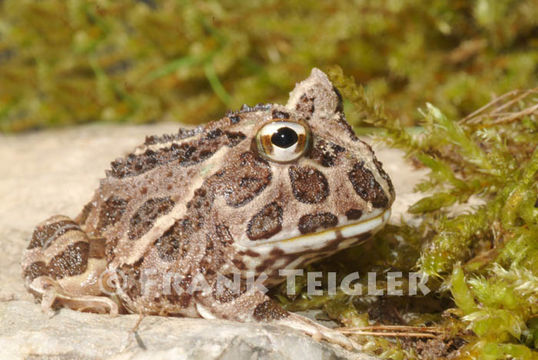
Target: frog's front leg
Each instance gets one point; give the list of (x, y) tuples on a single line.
[(258, 307), (62, 266)]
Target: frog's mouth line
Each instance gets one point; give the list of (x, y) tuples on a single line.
[(345, 232)]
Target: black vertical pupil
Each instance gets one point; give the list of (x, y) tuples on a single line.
[(284, 137)]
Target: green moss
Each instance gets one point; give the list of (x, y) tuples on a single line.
[(483, 261), (71, 62)]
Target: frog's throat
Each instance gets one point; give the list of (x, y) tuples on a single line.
[(345, 235)]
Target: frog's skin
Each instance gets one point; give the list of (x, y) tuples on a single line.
[(219, 199)]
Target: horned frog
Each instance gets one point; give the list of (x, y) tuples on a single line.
[(265, 188)]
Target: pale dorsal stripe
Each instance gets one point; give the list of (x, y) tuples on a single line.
[(163, 223)]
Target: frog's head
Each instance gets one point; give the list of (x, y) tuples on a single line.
[(316, 187)]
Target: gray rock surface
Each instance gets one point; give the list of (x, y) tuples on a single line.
[(27, 332), (56, 172)]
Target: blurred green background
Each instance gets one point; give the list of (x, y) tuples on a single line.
[(65, 62)]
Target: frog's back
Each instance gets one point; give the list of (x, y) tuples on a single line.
[(145, 190)]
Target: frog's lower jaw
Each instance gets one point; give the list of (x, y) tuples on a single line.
[(328, 240)]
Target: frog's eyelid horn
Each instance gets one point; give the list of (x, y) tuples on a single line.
[(318, 90)]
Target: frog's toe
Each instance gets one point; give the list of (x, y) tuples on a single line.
[(317, 331)]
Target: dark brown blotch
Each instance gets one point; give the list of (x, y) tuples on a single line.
[(35, 270), (45, 235), (250, 253), (326, 153), (146, 215), (182, 300), (133, 164), (111, 211), (309, 185), (269, 310), (266, 264), (175, 241), (246, 180), (266, 223), (72, 261), (353, 214), (234, 138), (367, 187), (168, 245), (277, 252), (313, 222), (364, 236), (197, 154), (238, 263), (200, 206)]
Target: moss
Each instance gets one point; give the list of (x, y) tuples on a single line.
[(78, 61), (482, 262)]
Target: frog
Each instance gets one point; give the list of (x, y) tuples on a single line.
[(264, 189)]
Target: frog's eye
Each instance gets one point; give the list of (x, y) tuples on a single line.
[(283, 141)]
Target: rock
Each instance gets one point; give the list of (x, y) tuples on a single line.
[(56, 172), (26, 332)]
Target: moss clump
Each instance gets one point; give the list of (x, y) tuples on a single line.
[(70, 62), (482, 262)]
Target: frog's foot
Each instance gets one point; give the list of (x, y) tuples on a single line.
[(255, 306), (63, 265), (53, 295)]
